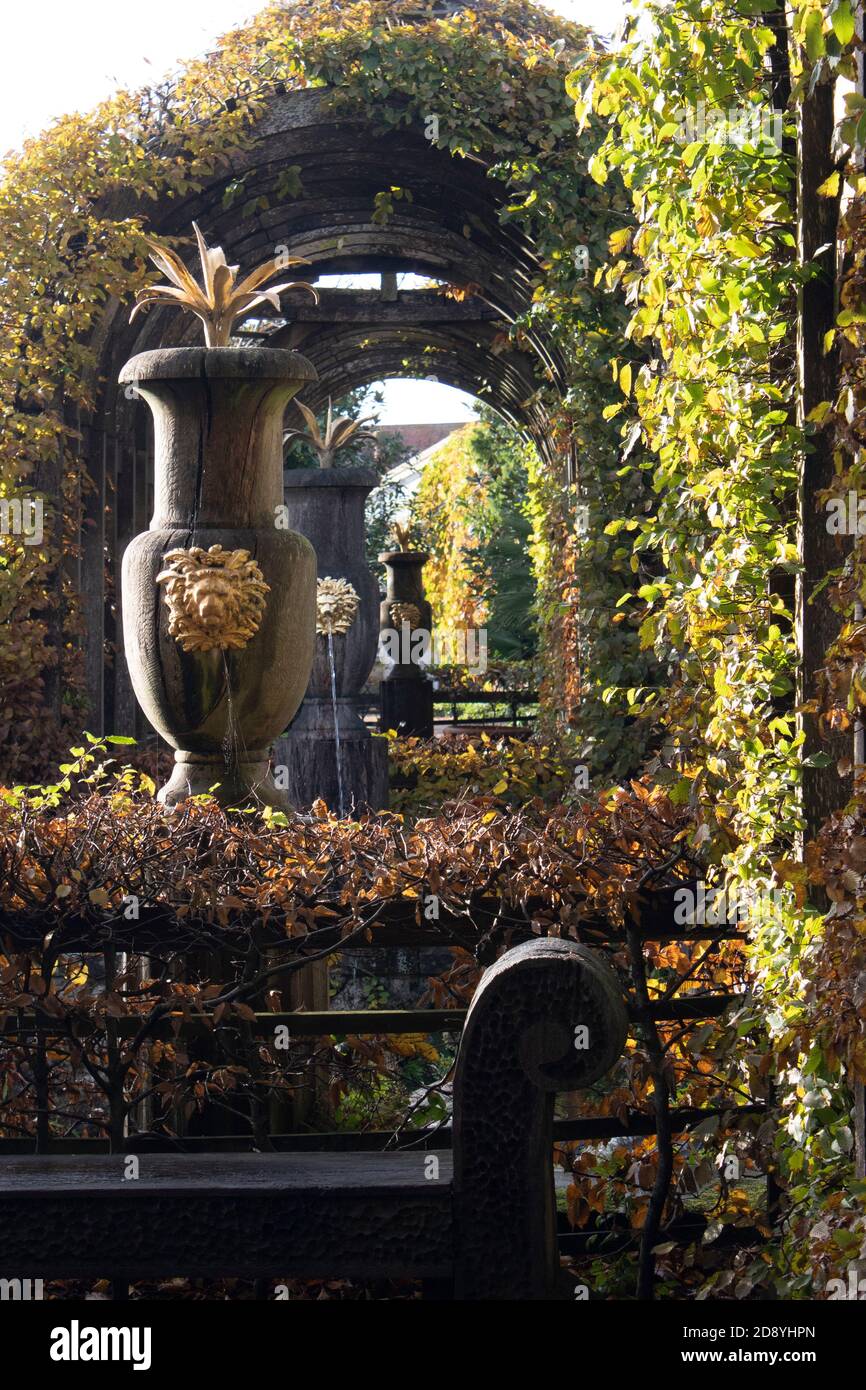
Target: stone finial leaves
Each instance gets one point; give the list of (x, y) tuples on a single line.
[(336, 606), (403, 534), (219, 299), (338, 433), (215, 597)]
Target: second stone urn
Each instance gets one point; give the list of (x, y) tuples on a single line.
[(405, 638), (329, 752), (219, 595)]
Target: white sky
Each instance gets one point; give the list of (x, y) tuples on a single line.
[(59, 57)]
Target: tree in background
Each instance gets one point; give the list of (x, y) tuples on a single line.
[(503, 558), (470, 510), (386, 503)]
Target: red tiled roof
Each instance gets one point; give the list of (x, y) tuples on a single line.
[(421, 437)]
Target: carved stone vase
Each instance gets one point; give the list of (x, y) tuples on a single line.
[(404, 615), (218, 595), (327, 506)]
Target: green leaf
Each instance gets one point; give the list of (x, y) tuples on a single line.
[(597, 169), (818, 760), (813, 35), (842, 21), (745, 246), (691, 152)]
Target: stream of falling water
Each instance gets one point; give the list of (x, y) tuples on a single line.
[(231, 741), (336, 725)]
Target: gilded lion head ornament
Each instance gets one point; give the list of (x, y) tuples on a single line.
[(336, 606), (215, 597)]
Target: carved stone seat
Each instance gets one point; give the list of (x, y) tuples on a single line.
[(548, 1016)]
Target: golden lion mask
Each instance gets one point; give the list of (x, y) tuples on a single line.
[(401, 613), (215, 597)]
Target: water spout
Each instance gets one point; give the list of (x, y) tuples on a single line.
[(340, 801), (231, 741)]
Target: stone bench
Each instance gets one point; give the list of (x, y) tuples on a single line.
[(548, 1016)]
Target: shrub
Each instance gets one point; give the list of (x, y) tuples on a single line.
[(509, 771)]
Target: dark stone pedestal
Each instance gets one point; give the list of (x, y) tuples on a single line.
[(308, 752), (407, 706), (327, 506)]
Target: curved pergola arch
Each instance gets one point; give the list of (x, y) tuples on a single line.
[(454, 358), (450, 230)]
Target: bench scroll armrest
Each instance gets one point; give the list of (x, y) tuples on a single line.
[(548, 1016)]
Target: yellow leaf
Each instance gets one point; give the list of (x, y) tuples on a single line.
[(617, 241), (830, 187)]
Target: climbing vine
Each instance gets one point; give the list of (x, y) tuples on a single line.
[(706, 379), (701, 105)]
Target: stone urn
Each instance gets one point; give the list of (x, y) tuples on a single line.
[(219, 595), (327, 506), (405, 636)]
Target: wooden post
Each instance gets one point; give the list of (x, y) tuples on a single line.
[(94, 450), (309, 990), (47, 481)]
